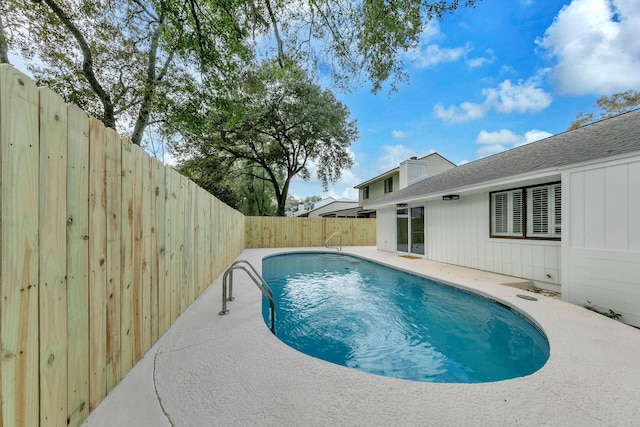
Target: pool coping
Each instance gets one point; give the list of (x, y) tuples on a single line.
[(230, 370)]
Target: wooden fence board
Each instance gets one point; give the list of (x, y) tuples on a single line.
[(53, 263), (200, 249), (189, 233), (280, 232), (157, 212), (97, 262), (114, 260), (126, 255), (182, 226), (138, 232), (19, 255), (145, 209), (174, 257), (164, 231), (209, 273), (77, 265)]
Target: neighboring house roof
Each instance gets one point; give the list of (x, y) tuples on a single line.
[(327, 206), (397, 170), (614, 136)]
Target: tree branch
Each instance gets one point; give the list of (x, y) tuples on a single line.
[(87, 64), (149, 86), (144, 9), (276, 33), (4, 55)]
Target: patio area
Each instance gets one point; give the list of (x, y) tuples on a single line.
[(211, 370)]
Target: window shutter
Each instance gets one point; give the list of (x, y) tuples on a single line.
[(501, 213), (557, 211), (517, 212), (539, 211)]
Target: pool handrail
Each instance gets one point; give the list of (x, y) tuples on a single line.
[(256, 278), (339, 248)]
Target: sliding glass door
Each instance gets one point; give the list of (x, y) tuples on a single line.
[(417, 230), (410, 230), (402, 227)]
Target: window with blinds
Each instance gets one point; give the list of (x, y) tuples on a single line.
[(538, 207), (544, 216), (506, 217)]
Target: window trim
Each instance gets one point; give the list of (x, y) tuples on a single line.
[(365, 193), (388, 188), (525, 214), (510, 210)]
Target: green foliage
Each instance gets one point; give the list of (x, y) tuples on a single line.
[(609, 106), (292, 203), (610, 314), (275, 120), (347, 40), (123, 61), (230, 184)]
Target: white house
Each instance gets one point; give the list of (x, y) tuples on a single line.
[(409, 172), (329, 207), (563, 212)]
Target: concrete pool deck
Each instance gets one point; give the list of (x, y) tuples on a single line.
[(211, 370)]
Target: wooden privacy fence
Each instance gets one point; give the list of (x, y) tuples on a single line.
[(102, 249), (279, 232)]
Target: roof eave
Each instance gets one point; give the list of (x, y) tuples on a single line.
[(493, 185)]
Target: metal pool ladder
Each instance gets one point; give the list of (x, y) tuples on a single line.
[(242, 264), (339, 248)]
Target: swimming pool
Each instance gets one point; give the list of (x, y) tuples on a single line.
[(383, 321)]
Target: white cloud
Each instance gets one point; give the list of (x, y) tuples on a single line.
[(428, 54), (502, 136), (507, 69), (522, 97), (488, 150), (400, 134), (349, 177), (432, 55), (467, 111), (535, 135), (504, 139), (597, 46), (393, 155), (347, 193), (482, 60)]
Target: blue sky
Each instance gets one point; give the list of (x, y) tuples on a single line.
[(491, 78)]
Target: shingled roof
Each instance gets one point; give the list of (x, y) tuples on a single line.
[(610, 137)]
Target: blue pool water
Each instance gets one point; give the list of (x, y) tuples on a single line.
[(366, 316)]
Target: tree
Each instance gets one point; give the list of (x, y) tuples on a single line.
[(613, 105), (344, 39), (292, 203), (117, 59), (229, 182), (4, 49), (275, 119)]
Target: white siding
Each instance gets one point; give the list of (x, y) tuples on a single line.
[(412, 171), (376, 189), (386, 229), (458, 233), (601, 247), (437, 164), (331, 207)]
